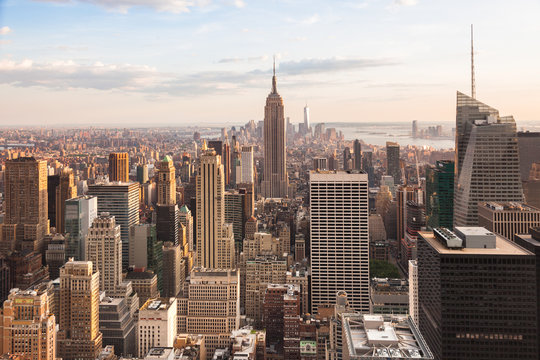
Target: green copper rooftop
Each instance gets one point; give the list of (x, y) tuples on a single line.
[(167, 158), (184, 209)]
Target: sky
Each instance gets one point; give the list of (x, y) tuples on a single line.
[(209, 62)]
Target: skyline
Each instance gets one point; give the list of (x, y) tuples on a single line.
[(94, 63)]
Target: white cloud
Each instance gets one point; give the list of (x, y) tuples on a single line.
[(173, 6), (315, 18), (63, 75), (5, 30), (404, 2)]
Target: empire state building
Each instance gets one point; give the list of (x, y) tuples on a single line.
[(275, 182)]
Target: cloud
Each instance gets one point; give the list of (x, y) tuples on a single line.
[(404, 2), (173, 6), (240, 60), (5, 30), (315, 18), (64, 75)]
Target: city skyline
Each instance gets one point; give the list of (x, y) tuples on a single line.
[(353, 61)]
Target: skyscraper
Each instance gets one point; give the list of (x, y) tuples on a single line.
[(166, 182), (215, 239), (306, 119), (440, 194), (166, 208), (142, 173), (80, 214), (339, 238), (477, 295), (27, 325), (529, 151), (508, 219), (357, 148), (392, 161), (185, 218), (275, 182), (120, 200), (487, 159), (79, 337), (246, 166), (25, 202), (65, 190), (119, 167), (174, 270)]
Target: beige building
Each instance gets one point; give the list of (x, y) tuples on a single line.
[(157, 324), (211, 306), (508, 218), (104, 250), (186, 219), (260, 272), (144, 283), (275, 182), (27, 326), (79, 337), (25, 191), (215, 238), (301, 279), (174, 269), (166, 182), (65, 190), (119, 167)]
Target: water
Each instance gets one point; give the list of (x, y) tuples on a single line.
[(378, 133)]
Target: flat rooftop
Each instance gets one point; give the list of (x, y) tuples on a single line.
[(509, 206), (502, 246)]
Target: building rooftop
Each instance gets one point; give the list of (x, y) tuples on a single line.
[(508, 206), (140, 275), (157, 304), (377, 336), (502, 246)]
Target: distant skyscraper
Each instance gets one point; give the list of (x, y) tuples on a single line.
[(347, 159), (357, 148), (476, 294), (415, 128), (79, 337), (52, 183), (120, 200), (185, 218), (142, 173), (247, 165), (275, 181), (508, 219), (104, 250), (166, 208), (174, 270), (215, 239), (529, 152), (119, 167), (65, 190), (392, 161), (25, 184), (217, 145), (306, 119), (339, 238), (440, 194), (80, 214), (487, 159)]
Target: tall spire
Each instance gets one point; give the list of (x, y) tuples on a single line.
[(274, 86), (473, 84)]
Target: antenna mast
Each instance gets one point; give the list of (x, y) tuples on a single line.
[(473, 84)]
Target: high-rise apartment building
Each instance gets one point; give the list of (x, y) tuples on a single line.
[(145, 250), (275, 182), (247, 166), (52, 183), (211, 306), (157, 324), (25, 190), (119, 167), (477, 295), (339, 238), (142, 173), (357, 148), (80, 214), (508, 219), (65, 190), (413, 290), (120, 200), (392, 161), (27, 326), (416, 220), (185, 218), (104, 250), (215, 238), (174, 270), (487, 159), (79, 337), (440, 194), (117, 325), (234, 214)]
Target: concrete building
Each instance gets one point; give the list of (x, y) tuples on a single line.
[(470, 269), (529, 151), (389, 296), (145, 250), (357, 148), (247, 166), (166, 208), (392, 161), (234, 214), (413, 291), (104, 250), (117, 326), (300, 277), (275, 182), (276, 302), (382, 337), (80, 214), (79, 337), (157, 324), (144, 283), (27, 326), (25, 204), (487, 159), (215, 238), (65, 190), (174, 270), (339, 238), (119, 167), (142, 174), (509, 218), (185, 218), (120, 200), (211, 306)]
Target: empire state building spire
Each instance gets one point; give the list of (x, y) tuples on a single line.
[(274, 86)]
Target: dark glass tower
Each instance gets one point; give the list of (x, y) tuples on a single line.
[(440, 194)]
